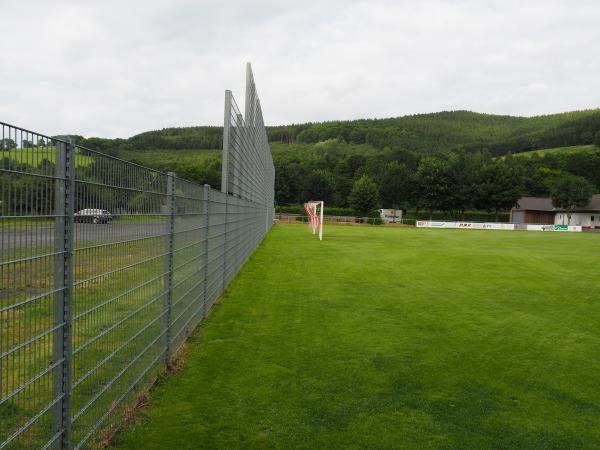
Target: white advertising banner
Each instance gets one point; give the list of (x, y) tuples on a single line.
[(496, 226), (465, 225)]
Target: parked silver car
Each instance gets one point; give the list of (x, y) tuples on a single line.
[(93, 216)]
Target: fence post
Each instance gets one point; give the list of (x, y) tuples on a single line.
[(225, 242), (168, 299), (226, 131), (237, 133), (266, 218), (64, 199), (207, 223)]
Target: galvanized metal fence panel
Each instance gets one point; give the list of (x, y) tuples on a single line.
[(248, 170), (189, 251), (33, 287), (216, 245), (122, 282), (107, 266)]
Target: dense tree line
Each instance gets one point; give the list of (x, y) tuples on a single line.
[(446, 181)]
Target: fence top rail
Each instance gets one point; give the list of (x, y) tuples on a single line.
[(96, 152), (129, 163), (25, 130)]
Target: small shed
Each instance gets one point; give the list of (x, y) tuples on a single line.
[(536, 210), (391, 215)]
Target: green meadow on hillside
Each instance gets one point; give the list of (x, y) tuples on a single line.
[(166, 157), (559, 150)]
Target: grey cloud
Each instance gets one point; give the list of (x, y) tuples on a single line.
[(115, 68)]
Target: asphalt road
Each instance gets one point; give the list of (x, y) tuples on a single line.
[(39, 238)]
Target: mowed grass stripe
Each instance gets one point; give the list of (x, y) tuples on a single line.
[(394, 338)]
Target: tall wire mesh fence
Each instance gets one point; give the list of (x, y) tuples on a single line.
[(246, 151), (106, 267)]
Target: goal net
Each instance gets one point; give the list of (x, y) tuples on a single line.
[(315, 217)]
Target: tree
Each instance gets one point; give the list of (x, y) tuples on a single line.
[(364, 196), (463, 175), (107, 146), (597, 139), (433, 187), (587, 137), (7, 144), (500, 187), (586, 165), (207, 171), (350, 165), (318, 185), (570, 192), (395, 185), (288, 181)]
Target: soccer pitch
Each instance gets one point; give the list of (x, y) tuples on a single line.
[(393, 338)]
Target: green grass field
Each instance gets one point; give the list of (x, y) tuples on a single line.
[(393, 338)]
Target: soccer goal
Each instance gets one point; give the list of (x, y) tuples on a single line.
[(315, 217)]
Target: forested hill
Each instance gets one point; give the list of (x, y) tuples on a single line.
[(422, 133), (454, 130)]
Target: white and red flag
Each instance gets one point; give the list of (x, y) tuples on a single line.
[(315, 217)]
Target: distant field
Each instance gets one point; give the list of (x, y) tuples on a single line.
[(150, 157), (394, 338), (547, 151), (35, 156)]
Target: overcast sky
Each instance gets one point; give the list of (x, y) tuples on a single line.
[(116, 68)]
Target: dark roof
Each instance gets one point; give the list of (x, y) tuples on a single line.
[(545, 204), (535, 204), (594, 205)]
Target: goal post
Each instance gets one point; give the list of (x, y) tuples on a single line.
[(314, 210)]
